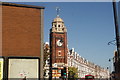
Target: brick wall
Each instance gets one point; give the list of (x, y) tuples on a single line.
[(55, 50), (21, 34)]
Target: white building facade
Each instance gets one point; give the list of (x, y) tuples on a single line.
[(85, 67), (46, 61)]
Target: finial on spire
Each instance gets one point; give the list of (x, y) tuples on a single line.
[(58, 11)]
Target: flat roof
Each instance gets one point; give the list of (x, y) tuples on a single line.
[(21, 5)]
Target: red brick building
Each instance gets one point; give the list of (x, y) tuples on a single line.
[(58, 48), (21, 31)]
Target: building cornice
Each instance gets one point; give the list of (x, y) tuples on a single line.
[(21, 5)]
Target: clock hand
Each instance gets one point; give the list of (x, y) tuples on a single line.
[(59, 43)]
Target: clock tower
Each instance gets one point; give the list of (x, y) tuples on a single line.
[(58, 48)]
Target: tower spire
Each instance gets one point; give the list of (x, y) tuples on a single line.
[(58, 11)]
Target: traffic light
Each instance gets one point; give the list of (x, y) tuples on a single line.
[(63, 73)]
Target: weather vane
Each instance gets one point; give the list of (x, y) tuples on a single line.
[(58, 11)]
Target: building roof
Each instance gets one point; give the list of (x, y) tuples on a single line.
[(21, 5), (58, 19)]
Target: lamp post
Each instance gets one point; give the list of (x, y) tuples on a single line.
[(117, 63), (110, 67), (116, 27), (109, 72)]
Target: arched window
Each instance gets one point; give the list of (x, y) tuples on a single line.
[(55, 25), (58, 25)]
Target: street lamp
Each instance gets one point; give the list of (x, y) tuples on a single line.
[(109, 72), (110, 67), (110, 60)]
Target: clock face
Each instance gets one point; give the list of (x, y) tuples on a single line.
[(59, 43)]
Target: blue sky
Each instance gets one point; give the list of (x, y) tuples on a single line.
[(59, 0), (90, 26)]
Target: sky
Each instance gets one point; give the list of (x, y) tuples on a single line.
[(90, 26), (60, 0)]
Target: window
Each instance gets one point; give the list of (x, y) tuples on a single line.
[(58, 25), (55, 25), (59, 53)]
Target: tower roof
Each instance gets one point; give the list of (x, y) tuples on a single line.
[(58, 19)]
